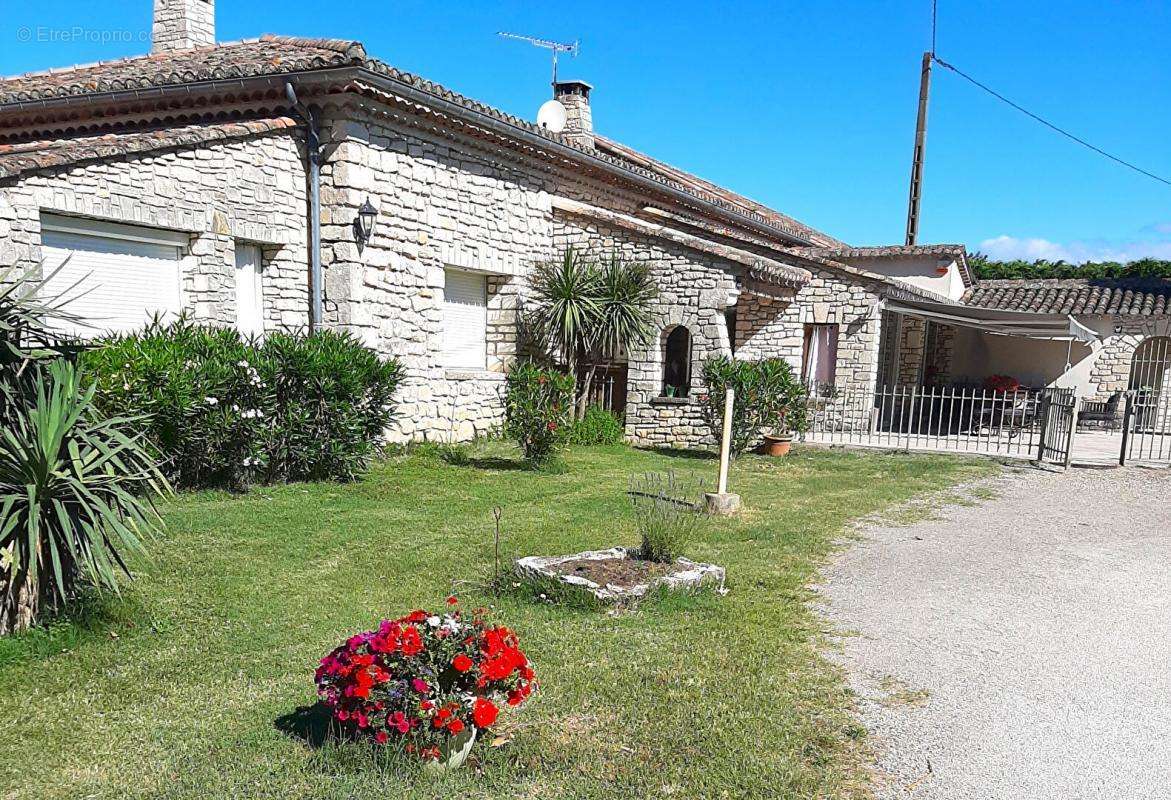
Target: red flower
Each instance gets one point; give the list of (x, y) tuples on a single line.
[(484, 713), (551, 426), (455, 726), (411, 643), (462, 663), (381, 737), (451, 601)]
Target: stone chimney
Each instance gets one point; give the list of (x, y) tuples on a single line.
[(182, 24), (579, 123)]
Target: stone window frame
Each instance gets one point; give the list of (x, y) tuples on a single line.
[(665, 337)]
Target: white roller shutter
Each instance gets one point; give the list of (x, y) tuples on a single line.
[(249, 290), (123, 274), (465, 320)]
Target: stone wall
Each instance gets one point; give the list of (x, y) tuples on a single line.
[(1111, 370), (250, 189)]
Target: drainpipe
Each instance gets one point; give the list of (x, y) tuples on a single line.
[(313, 146)]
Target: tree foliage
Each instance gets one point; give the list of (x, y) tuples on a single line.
[(984, 268)]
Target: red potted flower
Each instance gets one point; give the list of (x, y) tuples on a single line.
[(427, 682)]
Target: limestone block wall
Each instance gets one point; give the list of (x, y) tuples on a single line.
[(912, 346), (1111, 370), (249, 189), (768, 327), (694, 289), (442, 204)]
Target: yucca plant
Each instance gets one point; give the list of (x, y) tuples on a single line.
[(76, 496), (582, 309)]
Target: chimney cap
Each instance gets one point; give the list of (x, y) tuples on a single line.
[(572, 87)]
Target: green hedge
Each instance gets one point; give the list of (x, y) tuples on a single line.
[(987, 269), (597, 426), (225, 412)]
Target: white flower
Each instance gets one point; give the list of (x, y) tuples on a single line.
[(211, 401), (433, 621), (242, 364)]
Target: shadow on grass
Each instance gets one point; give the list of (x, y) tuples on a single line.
[(671, 452), (91, 616), (311, 724), (497, 463)]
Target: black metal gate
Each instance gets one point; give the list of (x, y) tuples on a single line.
[(1146, 427), (1058, 412)]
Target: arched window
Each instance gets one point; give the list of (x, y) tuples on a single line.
[(1151, 363), (677, 363)]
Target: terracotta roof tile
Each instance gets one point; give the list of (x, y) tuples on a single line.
[(1121, 297)]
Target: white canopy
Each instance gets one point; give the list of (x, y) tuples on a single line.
[(995, 320)]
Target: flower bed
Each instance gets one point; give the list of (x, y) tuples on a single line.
[(424, 679), (620, 575)]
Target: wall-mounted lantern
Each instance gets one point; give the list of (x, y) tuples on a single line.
[(364, 223)]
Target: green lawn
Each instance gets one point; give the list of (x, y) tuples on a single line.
[(177, 690)]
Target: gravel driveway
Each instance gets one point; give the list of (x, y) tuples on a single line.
[(1019, 648)]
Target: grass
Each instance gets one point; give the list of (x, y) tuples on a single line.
[(196, 683)]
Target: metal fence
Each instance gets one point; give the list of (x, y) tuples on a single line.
[(1146, 427), (1025, 423)]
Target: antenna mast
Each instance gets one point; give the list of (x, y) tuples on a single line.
[(573, 48)]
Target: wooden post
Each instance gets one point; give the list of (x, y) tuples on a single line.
[(726, 441), (722, 502)]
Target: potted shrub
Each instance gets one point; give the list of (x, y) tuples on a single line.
[(426, 682), (771, 404)]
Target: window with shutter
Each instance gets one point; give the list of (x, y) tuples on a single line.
[(249, 289), (117, 276), (465, 320)]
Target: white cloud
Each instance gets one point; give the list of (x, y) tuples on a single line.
[(1009, 248)]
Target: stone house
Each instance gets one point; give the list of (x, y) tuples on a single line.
[(226, 181)]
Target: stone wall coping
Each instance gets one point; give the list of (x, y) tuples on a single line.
[(473, 375), (663, 400)]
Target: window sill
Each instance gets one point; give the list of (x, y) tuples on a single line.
[(670, 401), (466, 374)]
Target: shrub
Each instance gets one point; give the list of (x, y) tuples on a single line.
[(768, 396), (227, 412), (424, 678), (537, 410), (76, 496), (597, 426), (666, 510)]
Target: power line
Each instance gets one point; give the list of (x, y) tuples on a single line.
[(1042, 120)]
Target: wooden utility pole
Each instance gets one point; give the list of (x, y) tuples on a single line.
[(920, 150)]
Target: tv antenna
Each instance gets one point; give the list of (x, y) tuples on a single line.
[(573, 48)]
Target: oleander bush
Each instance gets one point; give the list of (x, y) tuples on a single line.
[(229, 412), (538, 409), (769, 398), (597, 426)]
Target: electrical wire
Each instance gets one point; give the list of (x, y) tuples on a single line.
[(1042, 120)]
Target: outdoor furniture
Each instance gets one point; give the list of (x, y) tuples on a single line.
[(1008, 416), (1105, 413)]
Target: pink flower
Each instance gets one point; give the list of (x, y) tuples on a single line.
[(420, 685)]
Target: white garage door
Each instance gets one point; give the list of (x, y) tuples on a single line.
[(124, 274)]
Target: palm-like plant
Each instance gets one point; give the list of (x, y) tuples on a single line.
[(626, 292), (565, 311), (579, 308), (77, 495)]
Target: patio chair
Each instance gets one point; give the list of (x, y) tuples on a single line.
[(1104, 413), (1006, 417)]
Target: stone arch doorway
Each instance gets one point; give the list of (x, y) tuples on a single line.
[(1151, 363)]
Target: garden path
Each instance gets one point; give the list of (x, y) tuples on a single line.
[(1018, 646)]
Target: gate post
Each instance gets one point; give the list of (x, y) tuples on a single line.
[(1074, 412), (1045, 404), (1127, 415)]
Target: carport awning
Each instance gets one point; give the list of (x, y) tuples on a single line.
[(995, 320)]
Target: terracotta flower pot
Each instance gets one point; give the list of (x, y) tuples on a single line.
[(776, 446)]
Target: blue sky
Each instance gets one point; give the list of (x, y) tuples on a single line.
[(806, 106)]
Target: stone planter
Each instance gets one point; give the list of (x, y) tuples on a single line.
[(452, 754), (682, 575)]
